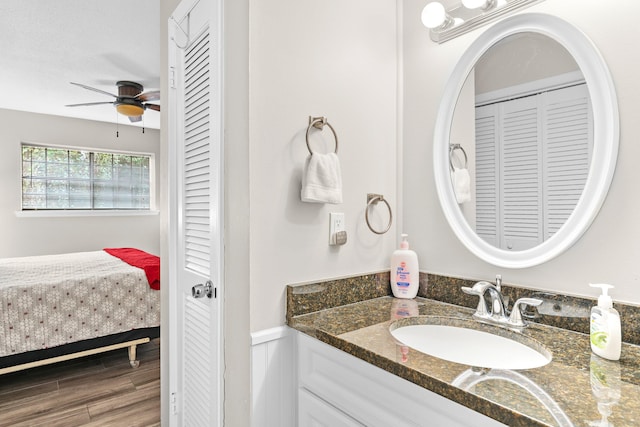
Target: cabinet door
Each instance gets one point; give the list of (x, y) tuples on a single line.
[(374, 397), (315, 412)]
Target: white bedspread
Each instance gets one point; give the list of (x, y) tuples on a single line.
[(46, 301)]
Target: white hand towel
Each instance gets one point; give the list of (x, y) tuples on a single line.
[(321, 179), (461, 184)]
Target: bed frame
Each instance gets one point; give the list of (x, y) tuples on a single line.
[(32, 359)]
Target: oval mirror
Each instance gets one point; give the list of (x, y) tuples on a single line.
[(528, 187)]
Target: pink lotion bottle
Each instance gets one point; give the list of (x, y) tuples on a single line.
[(404, 272)]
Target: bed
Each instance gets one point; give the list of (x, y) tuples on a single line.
[(59, 307)]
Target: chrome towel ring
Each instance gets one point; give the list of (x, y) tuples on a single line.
[(452, 148), (372, 200), (319, 123)]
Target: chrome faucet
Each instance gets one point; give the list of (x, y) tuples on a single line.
[(498, 313)]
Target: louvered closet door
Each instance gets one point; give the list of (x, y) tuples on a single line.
[(532, 162), (568, 144), (521, 174), (196, 222), (487, 175)]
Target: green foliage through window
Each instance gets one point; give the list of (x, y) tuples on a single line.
[(64, 179)]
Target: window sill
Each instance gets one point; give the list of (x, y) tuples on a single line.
[(81, 213)]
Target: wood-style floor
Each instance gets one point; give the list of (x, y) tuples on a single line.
[(100, 390)]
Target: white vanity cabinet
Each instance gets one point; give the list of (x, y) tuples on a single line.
[(338, 389), (313, 411)]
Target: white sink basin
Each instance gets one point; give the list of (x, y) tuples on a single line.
[(471, 346)]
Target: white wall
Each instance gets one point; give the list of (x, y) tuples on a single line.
[(335, 59), (522, 60), (23, 236), (237, 199), (609, 251), (339, 60)]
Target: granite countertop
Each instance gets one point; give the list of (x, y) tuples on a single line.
[(561, 393)]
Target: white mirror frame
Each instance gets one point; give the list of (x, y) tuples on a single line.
[(606, 132)]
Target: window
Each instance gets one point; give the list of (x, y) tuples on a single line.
[(55, 178)]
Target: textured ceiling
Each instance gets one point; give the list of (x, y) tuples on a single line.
[(46, 44)]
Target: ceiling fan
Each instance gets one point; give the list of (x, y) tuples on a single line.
[(130, 100)]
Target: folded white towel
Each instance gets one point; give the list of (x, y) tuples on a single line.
[(321, 179), (461, 184)]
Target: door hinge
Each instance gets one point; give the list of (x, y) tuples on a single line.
[(173, 403), (172, 77)]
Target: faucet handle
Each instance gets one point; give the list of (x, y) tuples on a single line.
[(471, 291), (481, 310), (516, 315)]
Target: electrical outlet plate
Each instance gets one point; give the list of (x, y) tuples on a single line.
[(336, 225)]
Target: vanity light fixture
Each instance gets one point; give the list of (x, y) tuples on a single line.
[(445, 24), (435, 17), (479, 4)]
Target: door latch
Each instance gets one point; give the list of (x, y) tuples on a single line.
[(200, 290)]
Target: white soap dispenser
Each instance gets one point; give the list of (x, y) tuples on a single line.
[(606, 338), (405, 276)]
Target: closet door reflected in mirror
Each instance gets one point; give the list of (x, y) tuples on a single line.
[(533, 106), (530, 136)]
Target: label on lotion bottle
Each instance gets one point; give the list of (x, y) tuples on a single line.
[(404, 272), (403, 276)]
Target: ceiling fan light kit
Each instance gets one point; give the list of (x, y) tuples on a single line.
[(131, 101), (129, 89), (129, 108)]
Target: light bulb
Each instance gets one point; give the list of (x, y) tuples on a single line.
[(433, 15)]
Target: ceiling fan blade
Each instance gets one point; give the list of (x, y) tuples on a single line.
[(152, 107), (134, 119), (89, 103), (152, 95), (93, 89)]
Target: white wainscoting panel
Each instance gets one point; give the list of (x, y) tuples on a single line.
[(273, 378)]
